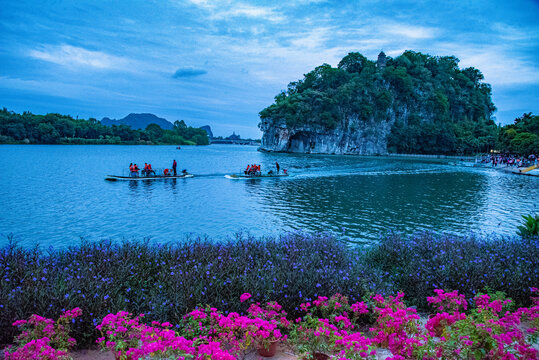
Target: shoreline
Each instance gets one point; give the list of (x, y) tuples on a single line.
[(388, 155)]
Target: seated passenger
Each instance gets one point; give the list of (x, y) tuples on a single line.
[(149, 170), (165, 172)]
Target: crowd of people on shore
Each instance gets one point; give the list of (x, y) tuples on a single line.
[(510, 160), (148, 171)]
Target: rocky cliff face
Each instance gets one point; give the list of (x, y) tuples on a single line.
[(359, 138)]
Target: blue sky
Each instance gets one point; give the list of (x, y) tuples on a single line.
[(221, 62)]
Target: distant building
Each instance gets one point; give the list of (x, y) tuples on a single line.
[(381, 62), (234, 136)]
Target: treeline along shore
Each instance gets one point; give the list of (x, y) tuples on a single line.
[(166, 281), (28, 128)]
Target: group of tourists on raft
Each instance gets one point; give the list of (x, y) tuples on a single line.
[(256, 170), (253, 170), (148, 171)]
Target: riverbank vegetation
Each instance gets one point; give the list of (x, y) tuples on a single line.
[(28, 128), (522, 137), (434, 106), (166, 281)]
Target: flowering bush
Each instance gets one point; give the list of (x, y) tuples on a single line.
[(484, 333), (328, 326), (490, 330), (353, 346), (532, 315), (451, 302), (311, 336), (203, 321), (127, 338), (43, 338), (396, 327), (120, 332), (448, 307), (262, 326), (269, 322)]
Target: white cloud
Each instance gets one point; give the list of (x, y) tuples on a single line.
[(499, 63), (409, 31), (312, 39), (501, 69), (72, 56), (225, 9), (511, 33)]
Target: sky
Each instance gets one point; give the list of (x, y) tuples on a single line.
[(220, 62)]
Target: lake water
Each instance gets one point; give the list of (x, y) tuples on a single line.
[(53, 195)]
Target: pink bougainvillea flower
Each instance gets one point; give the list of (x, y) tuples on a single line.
[(245, 296)]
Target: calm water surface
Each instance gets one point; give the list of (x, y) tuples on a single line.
[(53, 195)]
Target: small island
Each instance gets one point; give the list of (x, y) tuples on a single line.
[(414, 103)]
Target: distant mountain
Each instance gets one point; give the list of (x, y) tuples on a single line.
[(138, 121), (207, 128)]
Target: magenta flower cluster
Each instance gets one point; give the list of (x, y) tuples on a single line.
[(43, 338), (329, 326), (127, 338)]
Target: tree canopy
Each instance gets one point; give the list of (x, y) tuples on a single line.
[(63, 129), (522, 137)]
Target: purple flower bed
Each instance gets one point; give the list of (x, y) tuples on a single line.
[(166, 281)]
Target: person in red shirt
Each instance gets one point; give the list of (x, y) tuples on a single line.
[(165, 172), (174, 164), (149, 170)]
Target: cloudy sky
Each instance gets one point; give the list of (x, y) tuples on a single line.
[(221, 62)]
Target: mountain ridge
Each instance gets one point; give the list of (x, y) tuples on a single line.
[(139, 121)]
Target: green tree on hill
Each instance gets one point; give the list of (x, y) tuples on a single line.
[(433, 106)]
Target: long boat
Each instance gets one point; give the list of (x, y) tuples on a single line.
[(263, 176), (154, 177)]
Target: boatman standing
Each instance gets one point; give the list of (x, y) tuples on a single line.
[(174, 164)]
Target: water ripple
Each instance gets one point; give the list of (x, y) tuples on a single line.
[(55, 194)]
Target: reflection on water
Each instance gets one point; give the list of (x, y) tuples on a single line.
[(365, 196), (367, 205)]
